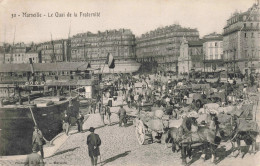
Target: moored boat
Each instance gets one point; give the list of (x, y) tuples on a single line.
[(17, 122)]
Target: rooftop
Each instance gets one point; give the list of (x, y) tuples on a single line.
[(45, 67)]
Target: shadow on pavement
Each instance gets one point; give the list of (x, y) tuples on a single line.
[(64, 151), (115, 157), (222, 153)]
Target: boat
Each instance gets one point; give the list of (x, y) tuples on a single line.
[(17, 121)]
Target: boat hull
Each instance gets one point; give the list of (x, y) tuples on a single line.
[(17, 125)]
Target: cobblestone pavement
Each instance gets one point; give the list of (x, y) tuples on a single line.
[(119, 147)]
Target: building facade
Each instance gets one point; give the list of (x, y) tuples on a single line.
[(241, 41), (20, 53), (213, 52), (163, 45), (54, 51), (191, 57), (94, 47)]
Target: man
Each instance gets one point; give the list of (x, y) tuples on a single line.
[(102, 114), (66, 124), (108, 114), (122, 116), (80, 119), (34, 159), (93, 142), (37, 140)]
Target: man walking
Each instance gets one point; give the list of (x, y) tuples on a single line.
[(66, 124), (37, 140), (102, 114), (93, 142), (108, 114), (122, 116), (80, 119), (34, 159)]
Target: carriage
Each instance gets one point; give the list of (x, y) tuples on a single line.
[(150, 123)]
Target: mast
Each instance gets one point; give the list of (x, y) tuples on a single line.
[(53, 57), (68, 44), (4, 46), (11, 59)]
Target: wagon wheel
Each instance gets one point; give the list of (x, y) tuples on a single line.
[(140, 132)]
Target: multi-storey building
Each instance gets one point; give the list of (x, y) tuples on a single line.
[(191, 56), (4, 49), (163, 45), (213, 52), (241, 41), (20, 53), (55, 51), (95, 47)]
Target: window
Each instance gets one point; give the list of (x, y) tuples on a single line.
[(252, 35), (251, 25), (244, 25), (216, 44), (245, 35)]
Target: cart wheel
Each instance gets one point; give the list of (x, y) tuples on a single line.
[(140, 132)]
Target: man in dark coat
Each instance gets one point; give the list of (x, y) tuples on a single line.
[(108, 114), (37, 140), (34, 159), (80, 119), (122, 116), (93, 142)]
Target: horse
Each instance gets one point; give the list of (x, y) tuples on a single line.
[(235, 135), (202, 137)]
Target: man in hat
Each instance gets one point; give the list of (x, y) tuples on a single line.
[(93, 142), (66, 124), (37, 139), (34, 159), (102, 114), (108, 114), (122, 116), (80, 119)]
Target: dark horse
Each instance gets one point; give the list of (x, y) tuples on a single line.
[(203, 137), (236, 133)]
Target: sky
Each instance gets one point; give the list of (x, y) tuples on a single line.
[(140, 16)]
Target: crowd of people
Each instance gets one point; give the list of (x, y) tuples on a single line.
[(172, 95)]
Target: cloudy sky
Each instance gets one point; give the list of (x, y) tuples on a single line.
[(138, 15)]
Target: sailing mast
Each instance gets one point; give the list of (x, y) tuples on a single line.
[(4, 45), (53, 57), (11, 59)]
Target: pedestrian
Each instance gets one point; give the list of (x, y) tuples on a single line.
[(108, 114), (34, 159), (122, 116), (93, 107), (93, 142), (80, 119), (66, 124), (102, 114), (99, 106), (38, 140)]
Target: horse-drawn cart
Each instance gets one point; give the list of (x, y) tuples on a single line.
[(150, 124)]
